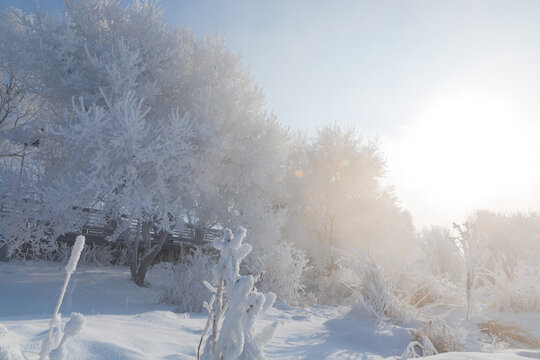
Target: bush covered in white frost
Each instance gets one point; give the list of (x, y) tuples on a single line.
[(516, 289), (377, 289), (234, 307), (438, 252), (182, 282), (283, 270)]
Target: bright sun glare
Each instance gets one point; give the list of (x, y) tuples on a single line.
[(466, 150)]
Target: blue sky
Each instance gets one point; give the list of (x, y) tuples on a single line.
[(402, 71), (366, 63)]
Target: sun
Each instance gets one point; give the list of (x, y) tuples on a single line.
[(466, 150)]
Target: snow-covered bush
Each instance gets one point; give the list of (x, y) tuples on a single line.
[(182, 282), (282, 269), (338, 288), (281, 263), (442, 337), (98, 254), (509, 334), (518, 291), (419, 288), (23, 236), (377, 290), (439, 253), (92, 254), (234, 307), (510, 236)]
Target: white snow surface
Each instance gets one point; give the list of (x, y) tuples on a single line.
[(124, 321)]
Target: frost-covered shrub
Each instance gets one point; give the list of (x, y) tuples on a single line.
[(338, 288), (22, 236), (518, 291), (102, 255), (439, 253), (284, 267), (377, 289), (419, 287), (234, 307), (92, 254), (510, 235), (510, 334), (183, 282), (281, 263), (443, 337)]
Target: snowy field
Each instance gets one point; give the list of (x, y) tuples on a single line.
[(127, 322), (383, 231)]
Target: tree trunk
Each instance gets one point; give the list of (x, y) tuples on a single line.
[(142, 257)]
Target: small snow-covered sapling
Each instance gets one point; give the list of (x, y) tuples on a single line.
[(76, 322), (235, 306)]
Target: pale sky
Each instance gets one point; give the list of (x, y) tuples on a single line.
[(450, 88)]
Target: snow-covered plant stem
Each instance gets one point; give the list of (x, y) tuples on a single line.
[(234, 307), (56, 319), (72, 328), (474, 253)]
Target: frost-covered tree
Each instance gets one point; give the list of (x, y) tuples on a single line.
[(336, 199), (113, 139), (150, 125), (18, 105), (235, 306)]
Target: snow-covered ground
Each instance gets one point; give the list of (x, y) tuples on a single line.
[(128, 322)]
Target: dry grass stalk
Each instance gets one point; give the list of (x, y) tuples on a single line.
[(512, 334)]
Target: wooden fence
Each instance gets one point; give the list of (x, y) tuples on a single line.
[(98, 229)]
